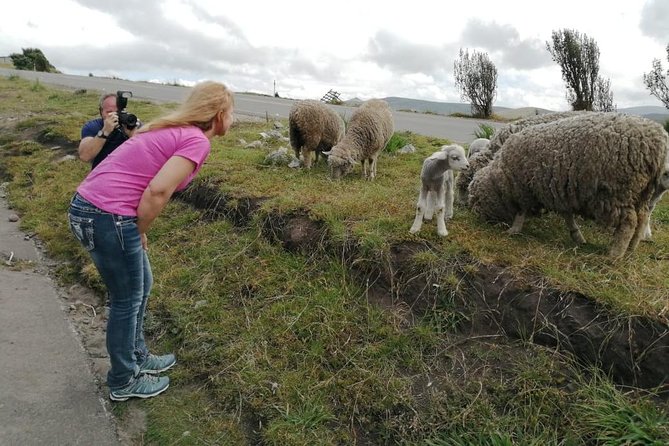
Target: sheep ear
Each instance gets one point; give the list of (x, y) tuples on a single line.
[(327, 153), (440, 155)]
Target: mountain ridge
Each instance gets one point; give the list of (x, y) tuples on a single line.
[(655, 112)]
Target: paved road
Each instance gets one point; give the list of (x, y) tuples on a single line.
[(459, 130), (48, 393)]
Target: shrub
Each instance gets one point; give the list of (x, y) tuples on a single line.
[(484, 131), (396, 142)]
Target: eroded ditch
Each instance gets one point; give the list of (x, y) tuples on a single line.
[(633, 350)]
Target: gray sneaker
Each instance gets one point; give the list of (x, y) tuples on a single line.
[(156, 364), (142, 386)]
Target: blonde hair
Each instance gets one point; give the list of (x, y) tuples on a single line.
[(204, 102)]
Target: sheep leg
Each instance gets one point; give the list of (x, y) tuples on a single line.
[(420, 211), (439, 210), (430, 204), (447, 199), (373, 167), (517, 225), (441, 222), (306, 157), (647, 234), (623, 234), (643, 223), (574, 230)]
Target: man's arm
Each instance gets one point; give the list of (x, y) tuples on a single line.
[(90, 146)]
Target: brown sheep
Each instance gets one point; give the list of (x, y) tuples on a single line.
[(313, 127)]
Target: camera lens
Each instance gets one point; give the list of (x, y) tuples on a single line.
[(131, 120)]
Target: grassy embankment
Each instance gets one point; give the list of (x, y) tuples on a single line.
[(290, 348)]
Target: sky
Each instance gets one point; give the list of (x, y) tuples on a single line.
[(362, 48)]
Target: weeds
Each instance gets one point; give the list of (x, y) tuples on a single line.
[(607, 416), (397, 141), (484, 131)]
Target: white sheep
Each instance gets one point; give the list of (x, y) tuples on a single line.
[(436, 192), (313, 127), (369, 130), (495, 144), (477, 146), (606, 167)]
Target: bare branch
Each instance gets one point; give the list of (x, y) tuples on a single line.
[(657, 82)]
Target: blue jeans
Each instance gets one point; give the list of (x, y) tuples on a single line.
[(115, 246)]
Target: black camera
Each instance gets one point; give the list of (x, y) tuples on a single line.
[(128, 120)]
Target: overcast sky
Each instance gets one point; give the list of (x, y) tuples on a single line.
[(361, 48)]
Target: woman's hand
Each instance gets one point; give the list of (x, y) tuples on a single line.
[(145, 241)]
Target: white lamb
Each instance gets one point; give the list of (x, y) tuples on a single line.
[(477, 146), (436, 192)]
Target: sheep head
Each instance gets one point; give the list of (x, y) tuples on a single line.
[(454, 155), (339, 165)]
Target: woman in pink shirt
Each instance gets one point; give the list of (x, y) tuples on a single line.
[(115, 206)]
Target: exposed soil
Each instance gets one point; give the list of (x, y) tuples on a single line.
[(634, 350)]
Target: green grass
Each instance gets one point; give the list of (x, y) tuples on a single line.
[(484, 131), (284, 348)]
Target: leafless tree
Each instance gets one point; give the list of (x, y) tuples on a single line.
[(476, 78), (656, 81)]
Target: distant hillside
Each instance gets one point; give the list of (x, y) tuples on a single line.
[(656, 113), (645, 110), (443, 108), (661, 118), (421, 106)]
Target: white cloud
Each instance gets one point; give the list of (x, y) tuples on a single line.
[(365, 49), (653, 22)]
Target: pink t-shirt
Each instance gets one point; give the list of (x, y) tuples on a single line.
[(117, 184)]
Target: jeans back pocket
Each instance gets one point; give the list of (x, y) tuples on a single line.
[(83, 229)]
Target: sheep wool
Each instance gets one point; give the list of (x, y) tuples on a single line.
[(314, 128), (368, 132), (606, 167), (465, 177), (476, 163)]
